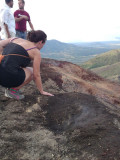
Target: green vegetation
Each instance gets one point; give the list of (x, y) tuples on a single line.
[(57, 47), (109, 71), (106, 65), (75, 53), (104, 59), (100, 56)]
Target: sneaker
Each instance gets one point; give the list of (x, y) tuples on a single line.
[(18, 91), (15, 90), (13, 94)]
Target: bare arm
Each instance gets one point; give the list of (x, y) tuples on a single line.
[(31, 25), (20, 18), (37, 76), (36, 72), (7, 30)]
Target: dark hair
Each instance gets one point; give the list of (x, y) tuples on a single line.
[(36, 36), (23, 1), (8, 1)]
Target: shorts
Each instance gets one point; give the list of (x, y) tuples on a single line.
[(11, 79)]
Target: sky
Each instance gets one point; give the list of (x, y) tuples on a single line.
[(75, 20)]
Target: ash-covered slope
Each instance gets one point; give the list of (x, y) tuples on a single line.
[(82, 120)]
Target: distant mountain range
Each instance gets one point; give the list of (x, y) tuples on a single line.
[(76, 52), (106, 65)]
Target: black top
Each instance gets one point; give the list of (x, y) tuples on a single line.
[(14, 62)]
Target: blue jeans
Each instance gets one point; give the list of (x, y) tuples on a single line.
[(20, 34)]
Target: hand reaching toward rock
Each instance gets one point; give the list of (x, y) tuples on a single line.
[(47, 94)]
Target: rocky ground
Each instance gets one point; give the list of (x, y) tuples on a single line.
[(81, 122)]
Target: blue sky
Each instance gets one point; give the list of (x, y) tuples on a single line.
[(75, 20)]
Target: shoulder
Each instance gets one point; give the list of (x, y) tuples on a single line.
[(35, 55), (5, 9), (26, 13), (5, 13), (3, 43), (16, 12)]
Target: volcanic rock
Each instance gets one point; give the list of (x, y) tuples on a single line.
[(81, 121)]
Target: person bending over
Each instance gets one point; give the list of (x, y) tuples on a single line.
[(16, 56)]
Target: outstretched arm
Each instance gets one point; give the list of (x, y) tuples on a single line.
[(37, 76)]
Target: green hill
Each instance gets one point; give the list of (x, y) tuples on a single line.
[(104, 59), (55, 46), (111, 72), (75, 53), (106, 65)]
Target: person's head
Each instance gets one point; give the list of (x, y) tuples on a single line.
[(37, 36), (9, 3), (21, 4)]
